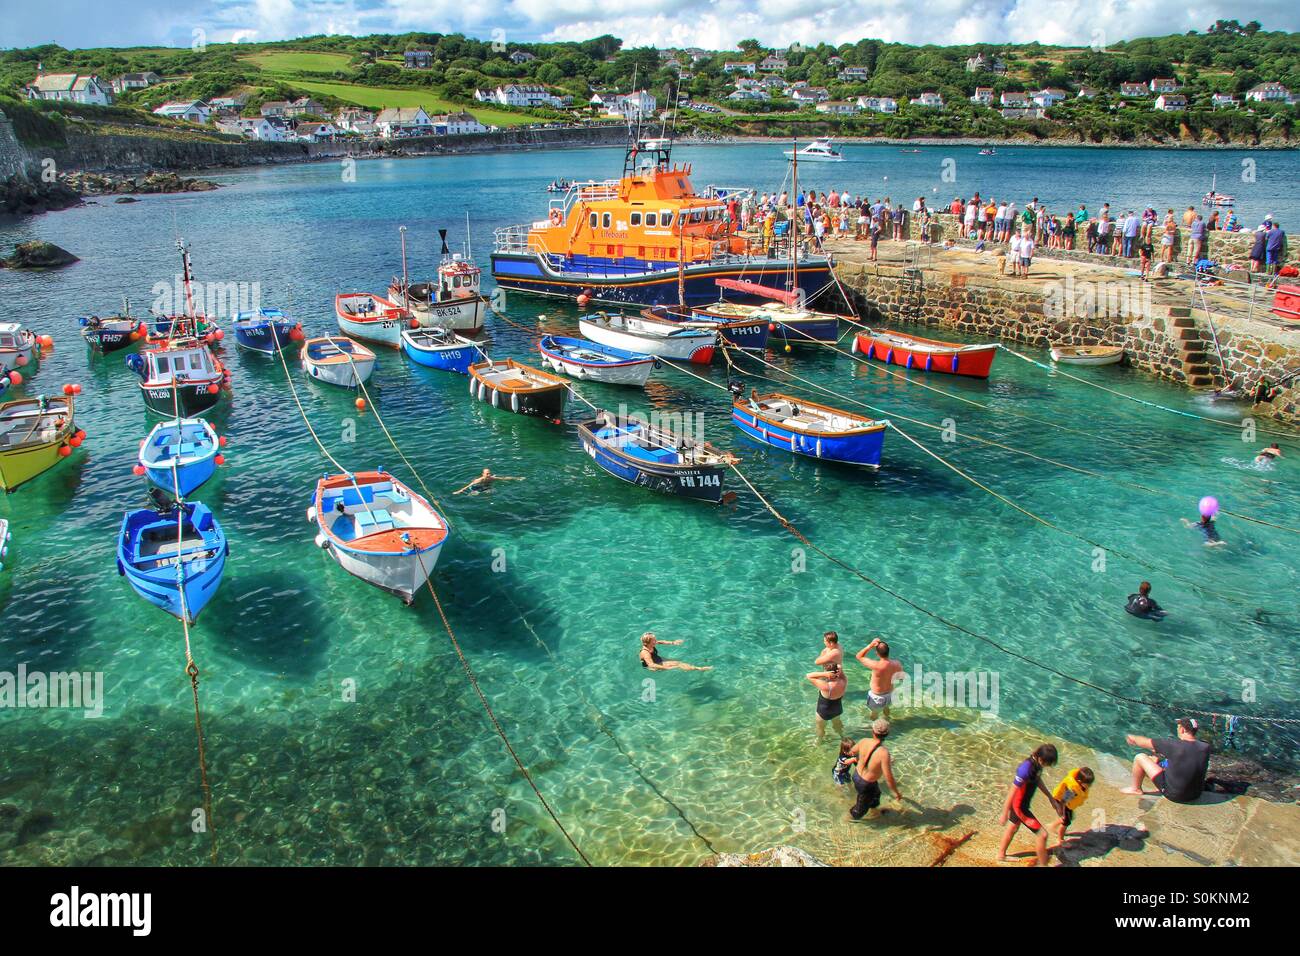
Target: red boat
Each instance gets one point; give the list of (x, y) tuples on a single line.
[(930, 355)]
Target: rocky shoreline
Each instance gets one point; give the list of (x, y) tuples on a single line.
[(22, 196)]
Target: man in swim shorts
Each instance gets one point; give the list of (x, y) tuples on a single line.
[(873, 762), (1177, 766), (831, 685), (1016, 811), (883, 671), (1269, 454)]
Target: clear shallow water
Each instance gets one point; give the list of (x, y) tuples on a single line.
[(411, 772)]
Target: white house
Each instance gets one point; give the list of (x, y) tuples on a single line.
[(774, 62), (810, 94), (838, 107), (747, 83), (738, 67), (1022, 112), (521, 95), (134, 81), (1133, 89), (1269, 93), (194, 111), (349, 118), (263, 129), (1047, 98), (1164, 84), (878, 104), (456, 124), (71, 87), (773, 82), (1015, 100), (635, 105), (983, 96), (749, 96), (854, 74), (395, 123), (1087, 93), (316, 132), (521, 56), (1171, 101), (303, 106), (984, 64), (929, 100), (1223, 101)]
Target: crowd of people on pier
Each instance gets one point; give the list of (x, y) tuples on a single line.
[(1127, 234)]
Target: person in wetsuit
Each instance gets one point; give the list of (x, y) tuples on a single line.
[(873, 762), (651, 660), (1207, 528), (1143, 604), (831, 685), (1016, 811)]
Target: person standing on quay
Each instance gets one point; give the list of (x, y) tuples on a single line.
[(1196, 247), (1275, 249)]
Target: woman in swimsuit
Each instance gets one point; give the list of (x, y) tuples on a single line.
[(651, 660), (1268, 455), (831, 685)]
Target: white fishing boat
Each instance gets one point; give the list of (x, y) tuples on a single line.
[(1087, 354), (818, 151), (18, 346), (363, 315), (650, 337), (337, 360), (379, 530), (453, 301)]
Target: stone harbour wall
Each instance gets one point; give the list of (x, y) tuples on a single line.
[(13, 159), (1172, 342)]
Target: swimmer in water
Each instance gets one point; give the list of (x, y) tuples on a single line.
[(485, 480), (651, 660), (1268, 455), (1143, 605), (1206, 525)]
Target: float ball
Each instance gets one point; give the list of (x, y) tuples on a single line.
[(361, 404), (64, 451), (214, 388), (138, 471), (221, 459), (1209, 506), (15, 378)]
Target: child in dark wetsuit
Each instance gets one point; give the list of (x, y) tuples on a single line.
[(1143, 604), (842, 772)]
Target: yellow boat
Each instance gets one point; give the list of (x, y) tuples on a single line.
[(33, 433)]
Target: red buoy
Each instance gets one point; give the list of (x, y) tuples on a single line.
[(222, 441), (67, 389), (76, 389), (64, 451), (221, 459), (361, 404), (15, 378), (138, 470), (214, 388)]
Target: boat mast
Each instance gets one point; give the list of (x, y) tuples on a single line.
[(681, 262), (406, 285), (798, 212), (185, 271)]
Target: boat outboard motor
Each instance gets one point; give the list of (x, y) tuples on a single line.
[(136, 364), (736, 388), (161, 501)]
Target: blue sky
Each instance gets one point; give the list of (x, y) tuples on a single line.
[(715, 24)]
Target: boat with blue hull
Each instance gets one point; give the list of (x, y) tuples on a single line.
[(173, 558), (648, 456), (590, 361), (265, 330), (180, 455), (442, 349), (808, 428), (750, 334), (647, 238)]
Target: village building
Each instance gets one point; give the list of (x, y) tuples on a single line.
[(1171, 101), (983, 96), (398, 123), (839, 107), (193, 111), (1269, 93), (878, 104), (134, 81), (71, 88), (417, 59)]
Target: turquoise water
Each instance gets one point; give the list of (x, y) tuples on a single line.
[(548, 582)]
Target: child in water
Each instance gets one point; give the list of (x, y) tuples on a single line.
[(843, 768), (1268, 455), (1068, 796), (1206, 525)]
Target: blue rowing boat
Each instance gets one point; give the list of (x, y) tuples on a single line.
[(593, 362), (807, 428), (265, 330), (646, 455), (180, 455), (173, 559), (441, 348)]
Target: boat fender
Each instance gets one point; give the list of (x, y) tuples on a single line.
[(889, 357), (929, 362), (322, 541), (311, 513), (855, 348), (911, 359), (120, 570), (514, 402), (819, 448), (471, 386), (954, 363), (656, 364), (582, 372), (496, 398)]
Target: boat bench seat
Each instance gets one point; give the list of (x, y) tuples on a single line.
[(377, 519), (663, 456)]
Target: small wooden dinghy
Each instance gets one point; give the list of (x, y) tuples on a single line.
[(173, 558), (1087, 354), (594, 362), (180, 455), (518, 388), (441, 348), (113, 333), (929, 355), (650, 337), (808, 428), (742, 333), (379, 530), (372, 318), (652, 457), (35, 434), (337, 360), (265, 330)]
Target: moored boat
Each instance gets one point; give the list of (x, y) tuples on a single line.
[(650, 337), (337, 360), (35, 433), (442, 349), (112, 333), (1087, 354), (181, 378), (372, 318), (452, 301), (518, 388), (649, 456), (929, 355), (750, 334), (18, 346), (809, 428), (787, 324), (173, 558), (180, 455), (265, 330), (818, 151), (378, 529), (593, 362)]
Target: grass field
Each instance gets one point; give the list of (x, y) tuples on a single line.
[(298, 61), (376, 97)]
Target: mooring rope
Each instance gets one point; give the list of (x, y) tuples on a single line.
[(790, 527)]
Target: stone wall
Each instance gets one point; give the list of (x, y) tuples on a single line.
[(1224, 247), (13, 159), (1171, 342), (133, 154)]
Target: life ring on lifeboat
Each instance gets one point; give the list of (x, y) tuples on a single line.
[(556, 217)]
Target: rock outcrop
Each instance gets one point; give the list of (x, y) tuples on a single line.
[(38, 255)]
